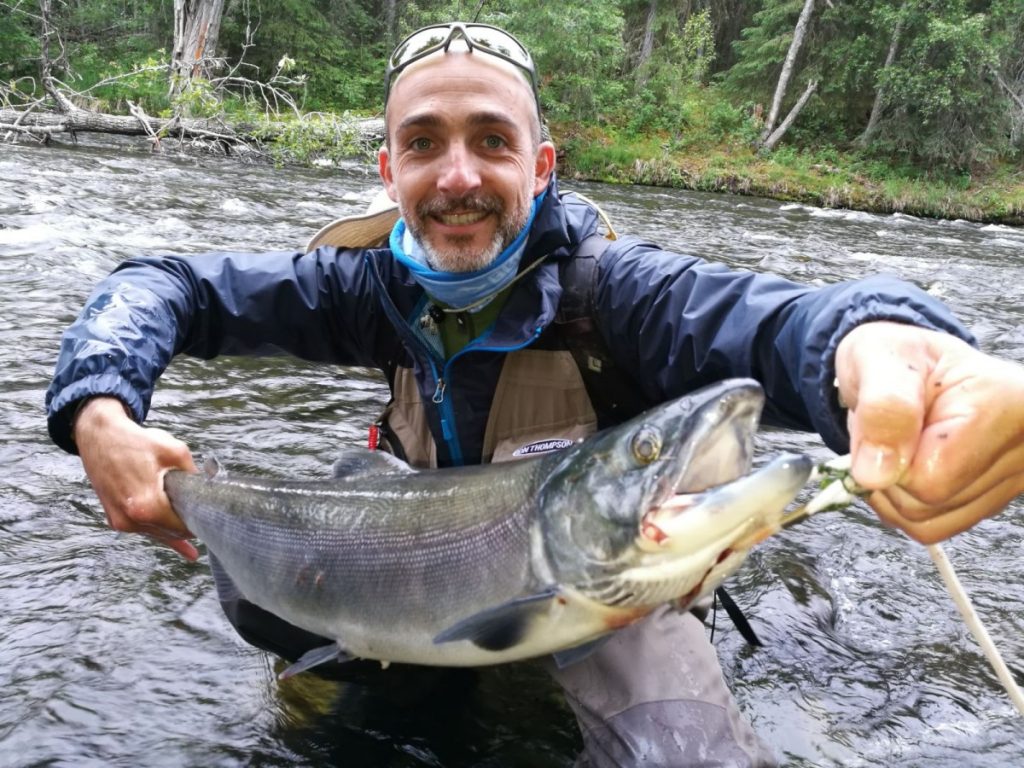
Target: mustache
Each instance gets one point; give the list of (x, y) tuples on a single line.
[(444, 206)]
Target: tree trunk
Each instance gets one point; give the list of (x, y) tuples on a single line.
[(787, 69), (196, 29), (391, 22), (46, 36), (876, 109), (769, 144), (647, 44)]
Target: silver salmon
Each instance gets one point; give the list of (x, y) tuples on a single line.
[(493, 563)]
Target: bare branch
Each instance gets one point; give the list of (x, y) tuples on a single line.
[(787, 68), (771, 141), (1017, 99)]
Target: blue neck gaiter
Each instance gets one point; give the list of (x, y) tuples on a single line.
[(460, 289)]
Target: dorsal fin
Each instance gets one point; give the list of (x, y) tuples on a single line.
[(212, 467), (362, 462)]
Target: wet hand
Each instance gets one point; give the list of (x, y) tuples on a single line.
[(936, 427), (126, 464)]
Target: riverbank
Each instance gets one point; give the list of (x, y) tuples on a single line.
[(701, 159), (827, 178)]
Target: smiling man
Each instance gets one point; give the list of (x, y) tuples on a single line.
[(469, 310)]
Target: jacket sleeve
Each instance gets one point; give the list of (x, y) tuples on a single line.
[(148, 310), (699, 322)]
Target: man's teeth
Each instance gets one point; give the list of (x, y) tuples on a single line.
[(461, 219)]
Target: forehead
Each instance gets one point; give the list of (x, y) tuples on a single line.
[(449, 81)]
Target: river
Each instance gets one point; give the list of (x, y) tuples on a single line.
[(113, 651)]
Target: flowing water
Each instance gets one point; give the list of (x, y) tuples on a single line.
[(113, 651)]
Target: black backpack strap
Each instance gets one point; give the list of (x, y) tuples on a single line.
[(614, 394), (738, 619)]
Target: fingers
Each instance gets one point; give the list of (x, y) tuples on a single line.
[(936, 427), (182, 546), (125, 464), (932, 528)]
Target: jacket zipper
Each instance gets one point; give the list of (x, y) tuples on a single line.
[(444, 406), (446, 414)]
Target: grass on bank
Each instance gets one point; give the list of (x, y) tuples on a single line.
[(837, 180)]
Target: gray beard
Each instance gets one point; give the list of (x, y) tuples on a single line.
[(461, 261), (455, 258)]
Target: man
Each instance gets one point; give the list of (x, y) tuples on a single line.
[(459, 310)]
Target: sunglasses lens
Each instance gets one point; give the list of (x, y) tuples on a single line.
[(418, 44), (501, 43)]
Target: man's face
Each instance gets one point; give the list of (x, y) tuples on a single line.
[(462, 161)]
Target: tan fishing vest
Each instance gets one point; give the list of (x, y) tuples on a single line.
[(540, 404)]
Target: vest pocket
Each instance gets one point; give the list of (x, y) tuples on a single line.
[(540, 405)]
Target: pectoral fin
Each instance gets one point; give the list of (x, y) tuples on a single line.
[(501, 627), (314, 658)]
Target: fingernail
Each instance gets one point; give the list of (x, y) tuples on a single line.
[(877, 466)]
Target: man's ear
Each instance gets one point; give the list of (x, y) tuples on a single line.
[(384, 168), (544, 167)]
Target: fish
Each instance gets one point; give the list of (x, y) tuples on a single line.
[(493, 563)]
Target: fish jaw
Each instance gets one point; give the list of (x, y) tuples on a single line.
[(690, 544)]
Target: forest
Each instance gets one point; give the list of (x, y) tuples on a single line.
[(914, 105)]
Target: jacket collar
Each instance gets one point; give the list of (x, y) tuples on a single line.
[(558, 227)]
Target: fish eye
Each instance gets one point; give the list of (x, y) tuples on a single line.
[(646, 444)]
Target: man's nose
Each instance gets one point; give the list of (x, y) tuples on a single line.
[(461, 173)]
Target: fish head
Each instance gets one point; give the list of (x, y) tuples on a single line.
[(662, 506)]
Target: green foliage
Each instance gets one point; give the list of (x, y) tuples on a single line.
[(19, 47), (113, 78), (315, 138), (667, 79), (339, 42), (197, 100), (761, 49), (944, 109), (698, 47), (943, 106), (577, 46)]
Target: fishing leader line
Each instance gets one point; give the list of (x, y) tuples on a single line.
[(838, 489)]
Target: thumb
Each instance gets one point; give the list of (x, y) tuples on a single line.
[(882, 382)]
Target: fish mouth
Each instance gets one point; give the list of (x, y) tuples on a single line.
[(732, 516), (719, 446)]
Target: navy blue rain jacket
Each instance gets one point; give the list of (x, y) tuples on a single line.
[(674, 322)]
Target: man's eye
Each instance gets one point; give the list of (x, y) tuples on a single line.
[(494, 142), (421, 144)]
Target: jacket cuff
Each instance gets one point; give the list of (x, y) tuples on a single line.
[(63, 408), (830, 414)]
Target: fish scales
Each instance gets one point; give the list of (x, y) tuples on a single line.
[(357, 548)]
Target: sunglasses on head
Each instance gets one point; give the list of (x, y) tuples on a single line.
[(477, 37)]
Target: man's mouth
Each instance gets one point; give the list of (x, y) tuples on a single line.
[(461, 219)]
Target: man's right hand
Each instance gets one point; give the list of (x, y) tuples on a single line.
[(126, 464)]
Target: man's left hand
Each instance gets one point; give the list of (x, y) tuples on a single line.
[(936, 427)]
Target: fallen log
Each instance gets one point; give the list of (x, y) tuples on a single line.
[(365, 132)]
